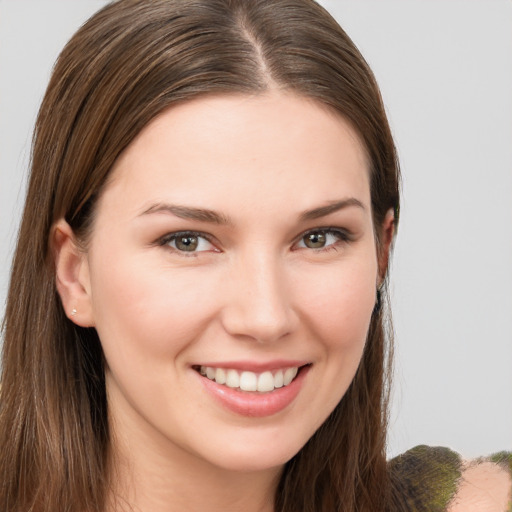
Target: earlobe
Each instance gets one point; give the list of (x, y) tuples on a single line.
[(387, 234), (71, 275)]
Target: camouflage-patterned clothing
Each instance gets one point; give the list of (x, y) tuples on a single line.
[(426, 478)]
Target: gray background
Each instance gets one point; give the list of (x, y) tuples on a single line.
[(445, 70)]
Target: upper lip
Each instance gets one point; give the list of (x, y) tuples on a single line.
[(255, 366)]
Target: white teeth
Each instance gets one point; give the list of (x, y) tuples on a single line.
[(250, 381), (266, 382), (278, 379), (220, 376), (232, 379), (289, 375)]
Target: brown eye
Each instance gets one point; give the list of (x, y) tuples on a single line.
[(320, 239), (187, 243), (315, 240)]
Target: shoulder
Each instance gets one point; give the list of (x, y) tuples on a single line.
[(436, 479)]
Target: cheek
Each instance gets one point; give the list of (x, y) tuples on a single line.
[(340, 305), (148, 310), (336, 310)]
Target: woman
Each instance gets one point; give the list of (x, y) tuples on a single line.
[(203, 255)]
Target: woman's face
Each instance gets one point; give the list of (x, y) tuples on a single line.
[(235, 239)]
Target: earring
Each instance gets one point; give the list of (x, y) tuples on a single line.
[(73, 312)]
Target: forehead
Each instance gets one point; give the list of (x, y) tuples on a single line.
[(246, 148)]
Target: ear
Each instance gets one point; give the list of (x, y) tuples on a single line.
[(72, 275), (386, 239)]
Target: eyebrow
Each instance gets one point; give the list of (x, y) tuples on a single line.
[(188, 212), (213, 217), (332, 207)]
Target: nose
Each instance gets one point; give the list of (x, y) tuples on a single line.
[(259, 300)]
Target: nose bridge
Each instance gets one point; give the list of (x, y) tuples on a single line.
[(260, 302)]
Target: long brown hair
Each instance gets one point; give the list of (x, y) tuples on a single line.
[(128, 63)]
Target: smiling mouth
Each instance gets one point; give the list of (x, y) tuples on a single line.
[(263, 382)]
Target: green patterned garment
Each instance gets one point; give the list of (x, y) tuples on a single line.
[(426, 478)]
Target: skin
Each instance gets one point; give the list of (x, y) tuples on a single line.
[(484, 487), (254, 292)]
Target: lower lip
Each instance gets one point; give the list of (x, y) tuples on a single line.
[(254, 404)]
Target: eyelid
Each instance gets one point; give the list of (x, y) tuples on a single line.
[(168, 237), (343, 234)]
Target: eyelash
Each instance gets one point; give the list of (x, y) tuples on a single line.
[(342, 236), (167, 239)]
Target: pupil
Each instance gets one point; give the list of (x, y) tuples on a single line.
[(315, 240), (186, 243)]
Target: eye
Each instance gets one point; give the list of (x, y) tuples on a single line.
[(322, 238), (187, 242)]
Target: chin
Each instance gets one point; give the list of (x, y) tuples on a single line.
[(253, 462), (257, 452)]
